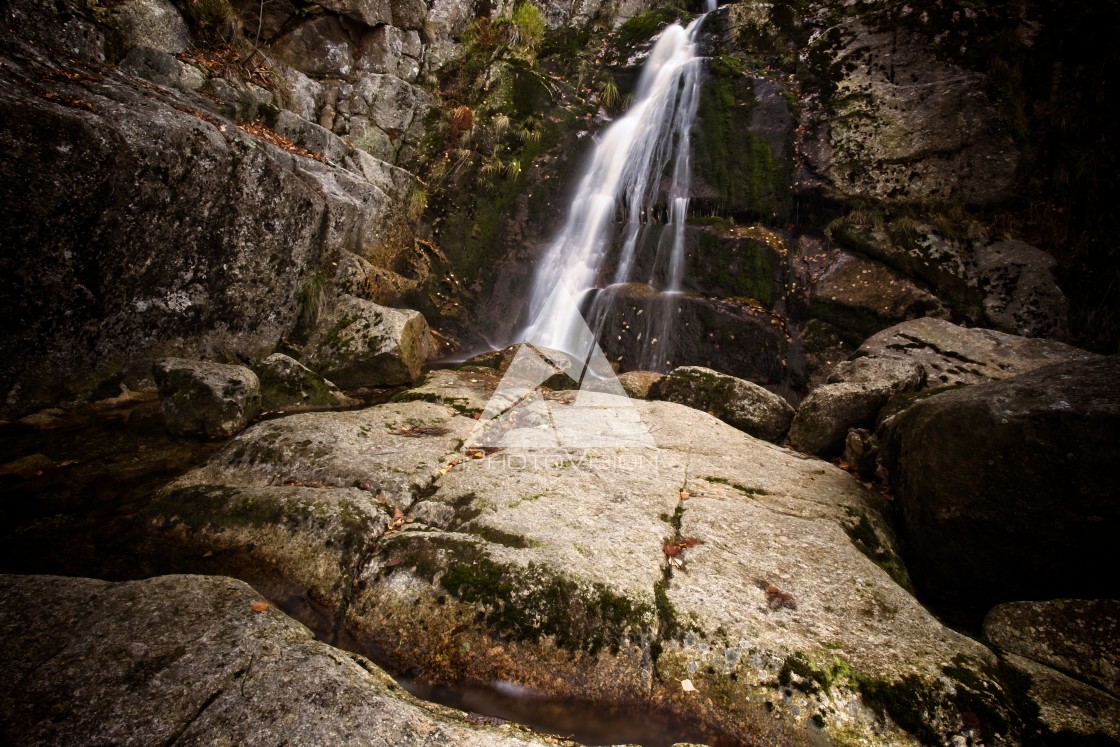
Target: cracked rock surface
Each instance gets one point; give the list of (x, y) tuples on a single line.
[(195, 660), (606, 574)]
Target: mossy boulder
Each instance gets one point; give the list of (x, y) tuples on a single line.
[(596, 575), (737, 402), (285, 381), (358, 343), (286, 540), (766, 581), (202, 398)]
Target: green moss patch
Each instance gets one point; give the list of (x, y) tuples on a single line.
[(220, 507), (741, 488), (866, 540), (528, 603)]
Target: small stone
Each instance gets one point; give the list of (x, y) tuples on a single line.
[(27, 467)]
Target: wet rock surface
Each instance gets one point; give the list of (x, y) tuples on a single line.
[(705, 576)]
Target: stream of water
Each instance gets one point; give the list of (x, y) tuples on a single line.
[(637, 176)]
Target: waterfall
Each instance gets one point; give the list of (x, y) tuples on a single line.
[(622, 191)]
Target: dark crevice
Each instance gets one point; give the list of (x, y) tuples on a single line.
[(947, 353), (182, 728)]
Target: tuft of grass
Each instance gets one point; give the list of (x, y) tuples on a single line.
[(417, 204)]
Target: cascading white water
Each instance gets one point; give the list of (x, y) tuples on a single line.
[(618, 194)]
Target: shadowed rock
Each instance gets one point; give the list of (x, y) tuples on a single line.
[(201, 398), (196, 660), (1010, 486), (853, 396), (1076, 636)]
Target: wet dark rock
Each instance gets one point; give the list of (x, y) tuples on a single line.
[(731, 335), (1005, 490), (194, 660), (201, 398), (857, 296), (1006, 284), (855, 392), (739, 403), (1068, 707), (1075, 636), (286, 381), (28, 467), (1021, 294)]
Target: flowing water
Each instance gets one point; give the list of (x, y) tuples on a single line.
[(637, 177)]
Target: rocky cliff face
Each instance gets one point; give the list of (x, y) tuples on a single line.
[(199, 180)]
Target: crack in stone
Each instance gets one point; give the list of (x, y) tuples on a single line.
[(918, 342), (182, 728)]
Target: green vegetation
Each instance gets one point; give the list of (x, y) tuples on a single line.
[(311, 302), (866, 540), (528, 603), (641, 28), (734, 267), (750, 180), (220, 507), (742, 489)]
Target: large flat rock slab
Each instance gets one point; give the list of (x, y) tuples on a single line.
[(195, 660), (695, 571)]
